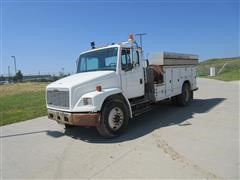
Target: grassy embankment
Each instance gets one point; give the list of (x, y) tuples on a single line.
[(21, 101), (230, 72)]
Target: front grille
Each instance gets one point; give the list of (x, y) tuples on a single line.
[(58, 98)]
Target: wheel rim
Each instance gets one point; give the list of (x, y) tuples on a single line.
[(115, 118)]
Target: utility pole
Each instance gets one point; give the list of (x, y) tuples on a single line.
[(9, 73), (140, 36), (15, 65)]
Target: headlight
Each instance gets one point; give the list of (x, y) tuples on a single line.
[(87, 101)]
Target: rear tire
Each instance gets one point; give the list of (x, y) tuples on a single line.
[(174, 100), (186, 97), (114, 119)]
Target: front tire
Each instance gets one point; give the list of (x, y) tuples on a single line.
[(68, 126), (186, 97), (114, 119)]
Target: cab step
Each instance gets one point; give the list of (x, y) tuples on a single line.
[(141, 106), (138, 112)]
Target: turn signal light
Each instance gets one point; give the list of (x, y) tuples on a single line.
[(99, 88)]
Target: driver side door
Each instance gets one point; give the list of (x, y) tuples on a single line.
[(131, 73)]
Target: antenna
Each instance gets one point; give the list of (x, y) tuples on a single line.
[(140, 36)]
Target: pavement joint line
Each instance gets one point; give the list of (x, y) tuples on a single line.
[(58, 171), (114, 161), (174, 155)]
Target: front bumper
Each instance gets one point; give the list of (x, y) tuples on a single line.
[(78, 119)]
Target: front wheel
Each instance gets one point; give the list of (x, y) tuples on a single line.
[(68, 126), (186, 97), (114, 119)]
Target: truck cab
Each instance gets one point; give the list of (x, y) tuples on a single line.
[(111, 86)]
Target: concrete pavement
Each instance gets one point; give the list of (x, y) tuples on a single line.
[(199, 141)]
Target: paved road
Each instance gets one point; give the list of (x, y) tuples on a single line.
[(200, 141)]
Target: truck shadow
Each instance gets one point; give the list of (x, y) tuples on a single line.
[(162, 115)]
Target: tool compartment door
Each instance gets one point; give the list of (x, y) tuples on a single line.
[(176, 85), (168, 80)]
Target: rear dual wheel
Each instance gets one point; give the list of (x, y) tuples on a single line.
[(186, 97)]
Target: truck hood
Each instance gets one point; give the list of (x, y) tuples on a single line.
[(82, 78), (82, 83)]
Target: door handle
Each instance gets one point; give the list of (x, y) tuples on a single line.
[(141, 81)]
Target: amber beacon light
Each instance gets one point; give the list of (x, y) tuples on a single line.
[(130, 37)]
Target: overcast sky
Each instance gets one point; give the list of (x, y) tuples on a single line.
[(46, 36)]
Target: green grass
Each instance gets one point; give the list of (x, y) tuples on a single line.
[(19, 102), (230, 72)]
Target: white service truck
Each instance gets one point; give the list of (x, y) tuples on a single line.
[(114, 83)]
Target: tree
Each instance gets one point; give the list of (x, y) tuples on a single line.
[(2, 78), (18, 77)]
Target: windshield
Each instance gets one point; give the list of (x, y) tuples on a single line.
[(105, 59)]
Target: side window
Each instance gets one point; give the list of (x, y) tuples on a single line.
[(126, 61), (136, 56)]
